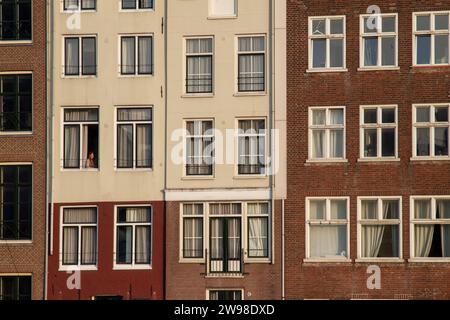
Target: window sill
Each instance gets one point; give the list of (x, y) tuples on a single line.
[(378, 68), (16, 242), (198, 95), (250, 94), (15, 42), (133, 169), (381, 160), (79, 170), (249, 176), (135, 267), (17, 133), (224, 276), (326, 70), (222, 17), (325, 161), (429, 159), (192, 261), (77, 268), (127, 76), (79, 77), (311, 260), (78, 11), (257, 261), (197, 178), (429, 260), (380, 260), (135, 10)]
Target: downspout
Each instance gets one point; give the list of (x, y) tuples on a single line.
[(166, 5), (49, 136)]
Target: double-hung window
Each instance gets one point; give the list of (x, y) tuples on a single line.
[(199, 65), (15, 288), (136, 55), (80, 56), (431, 131), (70, 5), (251, 64), (379, 227), (16, 202), (16, 96), (79, 237), (199, 147), (378, 132), (81, 138), (378, 41), (251, 146), (431, 38), (137, 4), (327, 43), (134, 138), (192, 224), (327, 133), (327, 228), (258, 230), (133, 236), (430, 227), (15, 20)]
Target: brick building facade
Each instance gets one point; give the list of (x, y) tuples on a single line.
[(374, 168)]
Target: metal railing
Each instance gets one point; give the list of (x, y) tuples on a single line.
[(224, 265), (251, 83)]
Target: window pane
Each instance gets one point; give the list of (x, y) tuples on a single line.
[(130, 215), (124, 245), (370, 142), (422, 209), (370, 116), (145, 55), (388, 24), (337, 116), (441, 22), (370, 51), (317, 209), (89, 56), (258, 237), (137, 114), (388, 142), (193, 238), (80, 215), (443, 209), (72, 146), (128, 4), (145, 4), (423, 114), (370, 26), (338, 209), (391, 209), (319, 53), (71, 4), (441, 49), (70, 245), (125, 146), (88, 245), (369, 209), (88, 4), (143, 245), (144, 146), (72, 56), (380, 241), (423, 141), (319, 117), (441, 141), (328, 241), (128, 55), (423, 23), (337, 143), (81, 115), (318, 143), (318, 27), (388, 115), (423, 49), (388, 51), (336, 53), (337, 26), (441, 114)]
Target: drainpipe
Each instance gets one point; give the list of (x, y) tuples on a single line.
[(166, 157)]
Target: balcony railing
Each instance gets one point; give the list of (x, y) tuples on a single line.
[(222, 266), (251, 83)]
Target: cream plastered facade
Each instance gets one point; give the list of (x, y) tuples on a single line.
[(108, 90), (225, 105)]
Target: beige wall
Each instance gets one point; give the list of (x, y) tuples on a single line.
[(107, 91), (190, 18)]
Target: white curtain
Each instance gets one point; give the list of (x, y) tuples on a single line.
[(234, 238), (258, 244), (138, 215), (372, 235), (216, 238), (370, 51), (71, 146), (72, 4), (138, 114), (72, 56), (128, 55), (337, 143), (144, 145), (89, 4), (125, 146), (70, 244), (328, 241), (318, 137), (80, 215), (193, 237), (443, 207), (423, 239), (88, 245), (145, 55), (143, 244)]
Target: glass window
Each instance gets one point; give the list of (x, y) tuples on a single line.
[(16, 103), (80, 56), (15, 20), (251, 146), (137, 4), (251, 64), (136, 55), (199, 65), (431, 131), (199, 148), (15, 288)]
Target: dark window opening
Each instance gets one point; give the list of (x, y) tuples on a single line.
[(15, 20)]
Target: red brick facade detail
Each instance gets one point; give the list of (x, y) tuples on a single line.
[(403, 178)]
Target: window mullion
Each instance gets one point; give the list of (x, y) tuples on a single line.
[(134, 160)]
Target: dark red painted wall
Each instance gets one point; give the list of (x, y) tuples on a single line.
[(131, 284)]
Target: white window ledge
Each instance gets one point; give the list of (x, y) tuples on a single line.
[(78, 268), (187, 178), (18, 42), (378, 68), (250, 94), (313, 260), (135, 267), (326, 70), (198, 95), (192, 261), (380, 260), (379, 160), (222, 17), (249, 176), (426, 159), (17, 133), (326, 161), (16, 242), (429, 260)]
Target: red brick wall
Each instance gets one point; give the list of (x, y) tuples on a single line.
[(131, 284), (405, 178), (184, 280), (29, 258)]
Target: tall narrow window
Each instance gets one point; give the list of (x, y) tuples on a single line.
[(16, 202), (327, 228), (327, 133), (15, 20), (431, 131), (79, 5), (252, 146), (79, 237), (134, 138), (431, 227), (251, 64), (199, 148), (17, 288), (136, 55), (137, 4), (258, 230), (378, 132), (192, 217), (327, 43), (431, 38), (16, 96), (222, 8), (379, 41), (199, 65), (80, 56), (81, 134), (379, 228), (134, 236)]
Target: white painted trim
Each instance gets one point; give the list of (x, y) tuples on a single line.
[(208, 290), (201, 195), (80, 56)]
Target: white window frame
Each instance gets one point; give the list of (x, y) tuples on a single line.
[(133, 265), (78, 9), (183, 216), (134, 123), (327, 127), (136, 9), (431, 32), (379, 126), (136, 53), (80, 267), (432, 124), (80, 56), (380, 221), (432, 221), (327, 221), (211, 14), (327, 36), (380, 35), (208, 291)]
